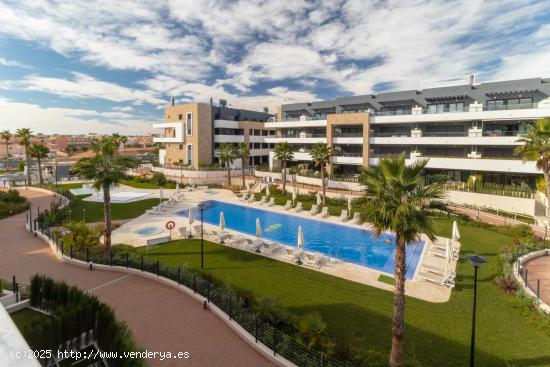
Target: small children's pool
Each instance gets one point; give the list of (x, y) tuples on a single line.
[(147, 231), (83, 191)]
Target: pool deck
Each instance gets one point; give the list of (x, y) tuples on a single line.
[(415, 287)]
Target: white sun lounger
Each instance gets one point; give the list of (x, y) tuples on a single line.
[(263, 200), (271, 202), (355, 219), (250, 199), (182, 231), (288, 205), (314, 210), (437, 251), (324, 212), (437, 270), (446, 281), (298, 207), (343, 215)]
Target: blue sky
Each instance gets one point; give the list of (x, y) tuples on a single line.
[(111, 66)]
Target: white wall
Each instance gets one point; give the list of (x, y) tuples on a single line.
[(512, 204), (314, 181)]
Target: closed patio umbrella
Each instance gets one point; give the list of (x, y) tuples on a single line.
[(349, 204), (191, 220), (222, 221), (318, 198), (293, 196), (455, 234), (161, 194), (177, 187), (299, 245), (267, 193), (258, 228)]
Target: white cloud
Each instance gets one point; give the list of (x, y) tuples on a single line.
[(82, 86), (6, 62), (15, 115)]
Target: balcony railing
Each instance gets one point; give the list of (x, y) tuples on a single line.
[(487, 133), (346, 154), (516, 106), (348, 135), (297, 136)]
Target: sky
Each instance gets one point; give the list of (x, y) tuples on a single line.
[(112, 66)]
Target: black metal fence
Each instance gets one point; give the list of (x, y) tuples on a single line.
[(224, 298), (21, 290)]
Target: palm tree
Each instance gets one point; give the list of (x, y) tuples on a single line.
[(123, 141), (536, 146), (400, 200), (39, 151), (321, 155), (244, 153), (6, 136), (106, 170), (116, 140), (284, 154), (227, 156), (24, 136)]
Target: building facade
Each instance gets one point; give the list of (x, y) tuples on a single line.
[(194, 132), (468, 129)]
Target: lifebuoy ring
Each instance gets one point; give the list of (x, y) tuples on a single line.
[(170, 224)]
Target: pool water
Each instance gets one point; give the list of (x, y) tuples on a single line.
[(347, 243), (148, 231), (83, 191)]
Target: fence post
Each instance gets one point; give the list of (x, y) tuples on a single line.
[(62, 249), (230, 308), (274, 341), (538, 288), (13, 283), (16, 290), (87, 255), (158, 268), (71, 251), (194, 283), (256, 329), (141, 262), (525, 276), (127, 262), (179, 274), (208, 291), (111, 257)]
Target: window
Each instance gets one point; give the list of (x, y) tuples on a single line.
[(264, 145), (189, 154), (189, 122), (264, 132), (180, 117), (515, 103), (181, 147)]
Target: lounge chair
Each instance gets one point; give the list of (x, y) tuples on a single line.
[(298, 208), (271, 202), (288, 205), (355, 219), (437, 251), (343, 216), (290, 253), (263, 200), (446, 281), (250, 199), (314, 210), (437, 270), (311, 259), (324, 212), (244, 198), (182, 231)]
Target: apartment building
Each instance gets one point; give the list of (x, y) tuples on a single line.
[(194, 132), (463, 127)]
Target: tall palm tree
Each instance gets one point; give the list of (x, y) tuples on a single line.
[(284, 154), (39, 152), (24, 136), (106, 170), (227, 156), (116, 137), (6, 136), (536, 146), (400, 200), (123, 141), (321, 155), (244, 153)]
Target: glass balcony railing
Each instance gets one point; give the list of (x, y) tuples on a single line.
[(348, 135), (515, 106), (346, 154), (486, 133)]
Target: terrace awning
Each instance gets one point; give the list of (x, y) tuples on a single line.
[(449, 99), (530, 93), (357, 106), (400, 103)]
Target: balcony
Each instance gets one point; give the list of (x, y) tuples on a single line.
[(177, 135), (347, 158), (228, 138), (297, 139)]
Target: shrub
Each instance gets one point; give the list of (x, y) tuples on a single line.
[(311, 330), (159, 179), (507, 283)]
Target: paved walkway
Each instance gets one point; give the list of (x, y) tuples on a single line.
[(539, 269), (160, 317)]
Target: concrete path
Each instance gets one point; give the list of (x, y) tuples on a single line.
[(161, 318), (539, 269)]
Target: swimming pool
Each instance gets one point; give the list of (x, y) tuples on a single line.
[(347, 243)]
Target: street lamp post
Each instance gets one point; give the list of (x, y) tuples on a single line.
[(201, 207), (476, 262)]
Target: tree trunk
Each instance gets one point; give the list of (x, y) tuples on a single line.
[(107, 216), (398, 321), (284, 177), (323, 182), (547, 181), (7, 151), (28, 165), (242, 170), (40, 171), (228, 175)]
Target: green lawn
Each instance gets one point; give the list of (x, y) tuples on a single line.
[(437, 334), (94, 211), (147, 185)]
